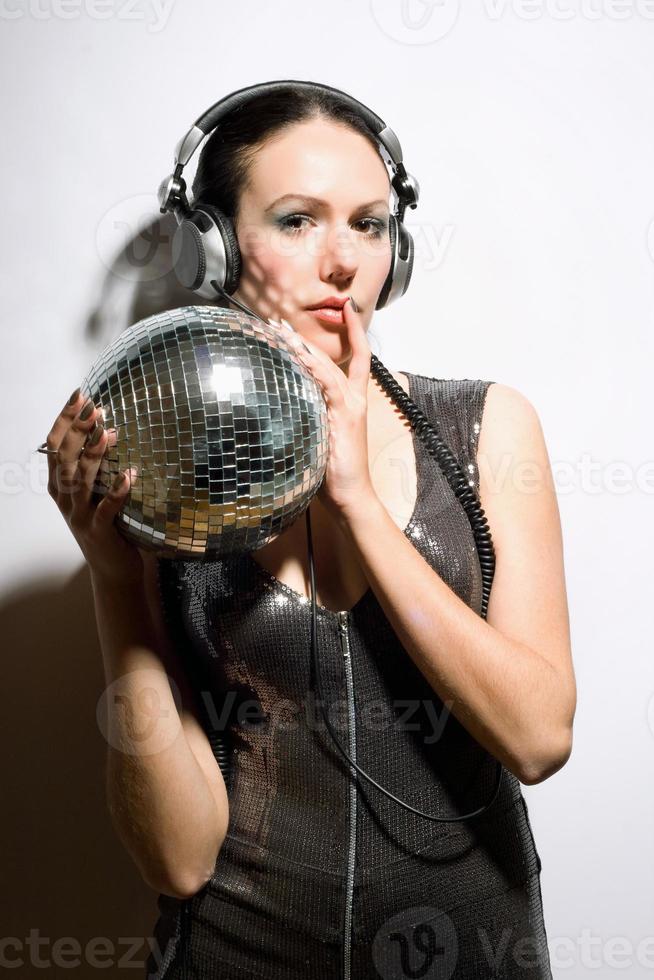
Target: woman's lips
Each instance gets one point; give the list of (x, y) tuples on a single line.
[(329, 314)]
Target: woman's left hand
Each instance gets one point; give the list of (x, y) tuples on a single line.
[(347, 485)]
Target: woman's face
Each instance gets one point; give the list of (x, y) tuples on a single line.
[(296, 251)]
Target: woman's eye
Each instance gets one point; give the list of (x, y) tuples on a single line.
[(291, 217), (375, 227)]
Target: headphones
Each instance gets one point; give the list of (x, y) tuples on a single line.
[(205, 252)]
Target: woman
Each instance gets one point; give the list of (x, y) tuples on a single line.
[(296, 869)]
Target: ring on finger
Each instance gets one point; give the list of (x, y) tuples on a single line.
[(43, 448)]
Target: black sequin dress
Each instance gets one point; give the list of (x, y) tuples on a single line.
[(321, 876)]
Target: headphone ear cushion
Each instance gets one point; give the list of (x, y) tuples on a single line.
[(230, 242), (388, 282), (407, 252)]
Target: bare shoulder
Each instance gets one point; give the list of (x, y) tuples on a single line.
[(509, 425), (503, 401), (512, 456)]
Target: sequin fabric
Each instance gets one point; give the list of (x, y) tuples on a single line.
[(318, 880)]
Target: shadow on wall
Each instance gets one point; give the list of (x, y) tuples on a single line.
[(67, 881), (140, 283), (74, 901)]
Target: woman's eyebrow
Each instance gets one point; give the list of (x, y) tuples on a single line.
[(317, 202)]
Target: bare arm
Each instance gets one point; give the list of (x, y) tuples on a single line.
[(165, 791), (166, 794), (508, 679)]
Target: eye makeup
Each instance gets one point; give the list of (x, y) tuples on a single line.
[(377, 226)]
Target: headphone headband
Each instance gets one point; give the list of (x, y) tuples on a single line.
[(405, 186), (209, 119)]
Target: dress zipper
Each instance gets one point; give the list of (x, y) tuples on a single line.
[(352, 751)]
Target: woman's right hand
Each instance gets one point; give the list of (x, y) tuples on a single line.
[(71, 475)]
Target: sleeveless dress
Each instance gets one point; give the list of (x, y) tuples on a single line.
[(321, 876)]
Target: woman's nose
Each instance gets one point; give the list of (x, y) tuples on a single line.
[(340, 255)]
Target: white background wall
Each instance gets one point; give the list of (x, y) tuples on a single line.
[(529, 127)]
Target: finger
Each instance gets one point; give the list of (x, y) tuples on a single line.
[(359, 369), (70, 447), (87, 467), (294, 338), (330, 378), (304, 346), (114, 499), (57, 432), (58, 440)]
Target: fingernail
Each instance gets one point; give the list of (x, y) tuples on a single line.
[(354, 305), (116, 485), (296, 342), (86, 411), (97, 434), (287, 325), (73, 398)]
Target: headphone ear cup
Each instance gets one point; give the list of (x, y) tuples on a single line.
[(204, 248), (388, 282), (232, 253), (402, 252)]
